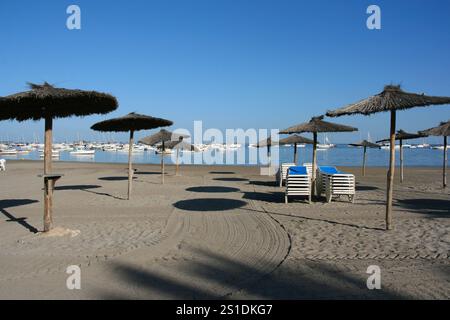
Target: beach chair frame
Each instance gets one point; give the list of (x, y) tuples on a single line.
[(336, 184), (298, 185), (282, 172)]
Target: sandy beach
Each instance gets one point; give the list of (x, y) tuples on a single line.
[(218, 232)]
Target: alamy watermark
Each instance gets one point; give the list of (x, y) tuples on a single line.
[(74, 280), (233, 146), (73, 21), (374, 20), (374, 280)]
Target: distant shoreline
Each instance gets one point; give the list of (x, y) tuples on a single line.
[(203, 165)]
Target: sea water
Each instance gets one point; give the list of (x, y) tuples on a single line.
[(341, 155)]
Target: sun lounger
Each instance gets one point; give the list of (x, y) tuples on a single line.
[(309, 167), (332, 182), (282, 172), (2, 165), (298, 183)]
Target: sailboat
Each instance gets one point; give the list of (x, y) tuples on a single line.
[(326, 145)]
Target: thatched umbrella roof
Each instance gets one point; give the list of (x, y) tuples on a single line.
[(45, 100), (442, 130), (162, 136), (365, 143), (132, 121), (294, 139), (317, 125), (266, 143), (181, 145), (403, 135), (391, 98)]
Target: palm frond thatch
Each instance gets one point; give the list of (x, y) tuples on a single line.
[(162, 136), (403, 135), (181, 145), (45, 100), (266, 143), (391, 98), (442, 130), (295, 139), (365, 143), (316, 124), (132, 121)]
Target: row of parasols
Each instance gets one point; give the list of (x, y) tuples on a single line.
[(48, 102)]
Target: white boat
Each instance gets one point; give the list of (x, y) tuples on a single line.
[(8, 151), (167, 151), (55, 153), (301, 146), (82, 152), (326, 145)]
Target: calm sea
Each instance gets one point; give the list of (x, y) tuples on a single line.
[(341, 155)]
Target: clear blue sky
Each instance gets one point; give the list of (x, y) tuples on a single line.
[(230, 63)]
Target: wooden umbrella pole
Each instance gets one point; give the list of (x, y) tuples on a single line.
[(444, 174), (48, 141), (176, 170), (364, 162), (48, 184), (401, 161), (390, 178), (314, 164), (130, 166), (295, 153), (162, 162)]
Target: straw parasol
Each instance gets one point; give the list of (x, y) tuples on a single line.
[(181, 145), (161, 138), (131, 122), (391, 99), (47, 102), (443, 130), (268, 143), (295, 139), (315, 126), (403, 135), (365, 144)]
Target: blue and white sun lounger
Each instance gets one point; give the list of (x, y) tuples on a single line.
[(332, 182), (282, 173), (298, 183)]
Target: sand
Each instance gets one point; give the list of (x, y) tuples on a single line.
[(218, 232)]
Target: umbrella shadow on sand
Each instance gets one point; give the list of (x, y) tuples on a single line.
[(209, 204), (273, 197), (114, 178), (436, 208), (11, 203), (213, 189), (312, 280)]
